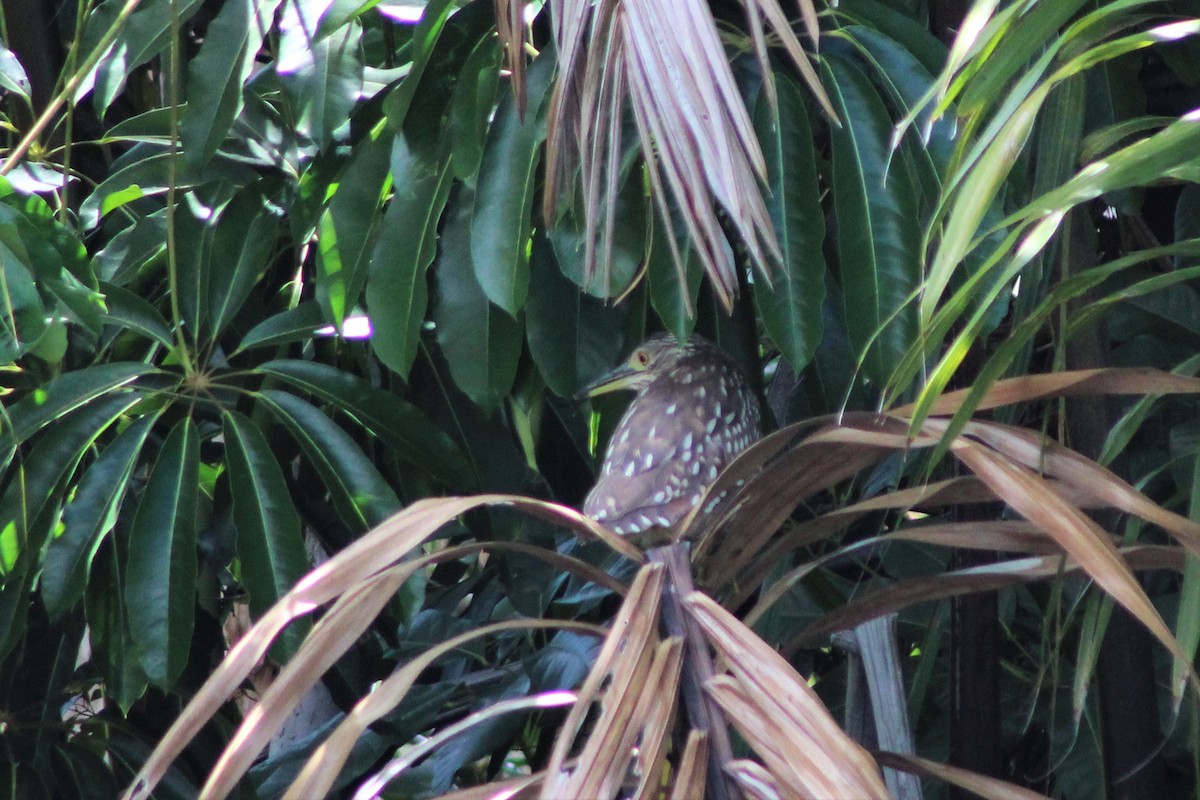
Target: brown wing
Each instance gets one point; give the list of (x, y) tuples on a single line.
[(660, 460)]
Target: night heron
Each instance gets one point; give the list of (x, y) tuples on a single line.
[(694, 412)]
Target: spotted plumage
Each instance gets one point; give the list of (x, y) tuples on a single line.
[(693, 413)]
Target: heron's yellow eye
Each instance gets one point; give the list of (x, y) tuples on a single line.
[(641, 359)]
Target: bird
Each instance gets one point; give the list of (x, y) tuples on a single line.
[(693, 413)]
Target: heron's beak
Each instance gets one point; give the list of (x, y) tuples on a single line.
[(623, 377)]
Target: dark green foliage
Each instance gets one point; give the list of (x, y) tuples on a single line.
[(188, 415)]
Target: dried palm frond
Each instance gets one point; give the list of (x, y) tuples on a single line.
[(736, 541), (780, 716), (357, 582), (666, 62)]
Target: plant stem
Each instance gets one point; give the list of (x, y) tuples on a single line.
[(185, 358), (68, 90)]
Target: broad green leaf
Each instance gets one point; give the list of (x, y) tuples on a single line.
[(216, 75), (127, 310), (879, 251), (270, 542), (244, 241), (673, 301), (906, 79), (397, 291), (480, 341), (404, 427), (112, 643), (347, 229), (60, 396), (791, 306), (14, 609), (145, 34), (22, 313), (129, 251), (912, 36), (52, 246), (1187, 626), (504, 195), (28, 508), (629, 246), (572, 336), (44, 275), (358, 492), (1187, 221), (194, 236), (160, 578), (471, 107), (294, 325), (424, 38), (89, 517), (321, 74), (146, 174)]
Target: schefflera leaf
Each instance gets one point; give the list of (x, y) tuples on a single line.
[(217, 74), (270, 543), (359, 494), (89, 517), (404, 427), (160, 579)]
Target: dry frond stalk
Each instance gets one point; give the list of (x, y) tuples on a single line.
[(359, 565), (775, 708), (689, 779), (981, 785), (626, 652), (755, 781), (322, 768)]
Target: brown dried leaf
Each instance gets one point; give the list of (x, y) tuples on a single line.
[(984, 578), (373, 786), (1027, 494), (1133, 380), (329, 639), (514, 789), (780, 716), (322, 768), (1099, 486), (755, 781), (696, 133), (982, 785), (625, 661), (689, 779), (356, 576)]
